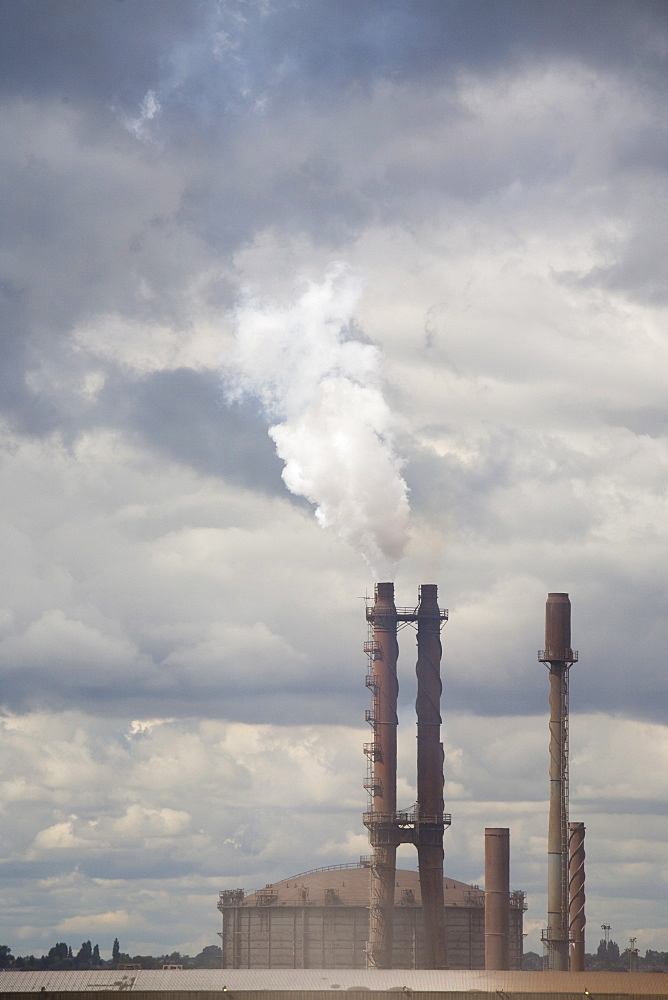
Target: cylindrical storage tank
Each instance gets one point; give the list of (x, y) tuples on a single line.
[(497, 897), (576, 890)]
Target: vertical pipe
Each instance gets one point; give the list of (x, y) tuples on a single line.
[(225, 940), (383, 865), (497, 898), (576, 872), (429, 831), (559, 655)]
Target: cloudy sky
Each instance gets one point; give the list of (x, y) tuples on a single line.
[(409, 254)]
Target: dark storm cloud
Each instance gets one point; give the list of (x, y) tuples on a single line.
[(89, 210), (124, 47), (11, 871), (27, 412), (182, 414), (135, 689), (76, 49), (104, 864), (84, 216), (336, 45), (640, 270), (306, 195)]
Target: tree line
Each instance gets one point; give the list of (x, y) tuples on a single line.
[(63, 957), (609, 958)]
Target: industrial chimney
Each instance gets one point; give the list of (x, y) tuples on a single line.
[(425, 825), (497, 897), (383, 650), (429, 830), (559, 656)]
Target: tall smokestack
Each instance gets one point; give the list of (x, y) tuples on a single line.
[(381, 819), (430, 826), (497, 898), (576, 891), (559, 655)]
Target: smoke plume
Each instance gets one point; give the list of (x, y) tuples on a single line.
[(332, 426)]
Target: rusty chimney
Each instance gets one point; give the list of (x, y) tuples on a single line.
[(382, 754), (430, 826), (576, 890), (425, 825), (497, 897), (559, 656)]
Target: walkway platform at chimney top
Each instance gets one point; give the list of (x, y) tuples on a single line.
[(359, 984), (402, 614)]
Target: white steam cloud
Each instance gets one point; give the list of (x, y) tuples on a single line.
[(333, 428)]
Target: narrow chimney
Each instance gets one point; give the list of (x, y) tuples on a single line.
[(429, 830), (497, 897), (559, 656), (381, 822), (576, 873)]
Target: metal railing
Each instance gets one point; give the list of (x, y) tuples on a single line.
[(408, 818), (558, 655)]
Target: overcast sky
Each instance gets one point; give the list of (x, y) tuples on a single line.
[(409, 253)]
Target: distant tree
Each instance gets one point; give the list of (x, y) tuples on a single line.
[(97, 961), (60, 952), (29, 963), (531, 962), (6, 957), (84, 957), (176, 958), (654, 961), (147, 961), (115, 951), (210, 957), (607, 958), (59, 957)]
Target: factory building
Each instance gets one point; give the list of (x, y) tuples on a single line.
[(320, 920), (373, 915)]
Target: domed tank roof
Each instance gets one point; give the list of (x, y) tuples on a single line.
[(348, 885)]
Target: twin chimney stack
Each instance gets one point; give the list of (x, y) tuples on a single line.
[(425, 824)]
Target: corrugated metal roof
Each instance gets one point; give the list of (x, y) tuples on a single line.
[(419, 980), (27, 982)]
